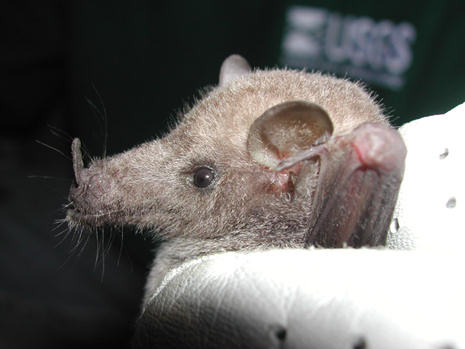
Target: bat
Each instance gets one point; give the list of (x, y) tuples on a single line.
[(271, 158)]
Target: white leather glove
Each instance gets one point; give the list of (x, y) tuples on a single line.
[(431, 206), (342, 298)]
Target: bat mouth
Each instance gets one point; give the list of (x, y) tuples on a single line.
[(77, 217), (85, 209), (84, 212)]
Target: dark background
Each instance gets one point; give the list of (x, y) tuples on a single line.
[(65, 66)]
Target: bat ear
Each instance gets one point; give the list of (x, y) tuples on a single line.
[(233, 67), (287, 129)]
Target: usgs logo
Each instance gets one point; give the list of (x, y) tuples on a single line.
[(379, 52)]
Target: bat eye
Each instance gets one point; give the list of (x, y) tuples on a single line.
[(203, 177)]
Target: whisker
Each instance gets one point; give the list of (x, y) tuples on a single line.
[(54, 149), (57, 132), (63, 134), (110, 240), (62, 240), (86, 151), (101, 113), (48, 177), (78, 242), (66, 261), (104, 118), (121, 245), (103, 255), (58, 224), (84, 246), (67, 205), (60, 233), (97, 254)]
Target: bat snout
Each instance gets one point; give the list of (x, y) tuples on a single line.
[(89, 190)]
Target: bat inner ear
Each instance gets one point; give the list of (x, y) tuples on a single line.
[(287, 129)]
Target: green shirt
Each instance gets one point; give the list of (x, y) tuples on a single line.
[(411, 56)]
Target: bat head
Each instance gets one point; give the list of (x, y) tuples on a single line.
[(267, 158)]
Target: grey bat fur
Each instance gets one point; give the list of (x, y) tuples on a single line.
[(151, 186)]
